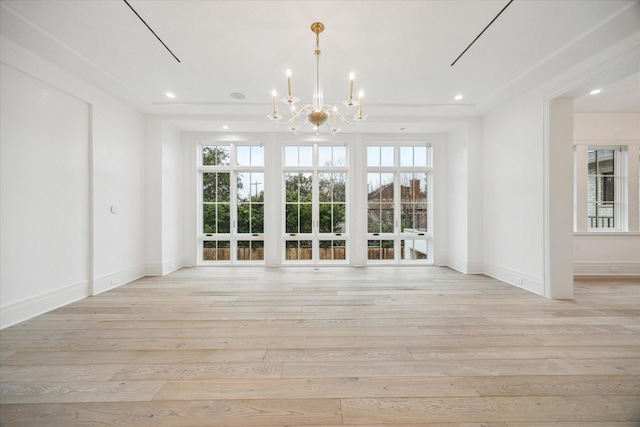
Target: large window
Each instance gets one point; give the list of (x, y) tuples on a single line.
[(603, 188), (603, 195), (606, 188), (398, 209), (315, 203), (232, 200)]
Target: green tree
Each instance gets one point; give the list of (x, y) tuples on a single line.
[(216, 192)]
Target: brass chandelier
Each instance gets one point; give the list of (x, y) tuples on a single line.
[(318, 112)]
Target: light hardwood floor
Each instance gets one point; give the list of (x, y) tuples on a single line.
[(328, 346)]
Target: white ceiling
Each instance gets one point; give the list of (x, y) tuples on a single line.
[(400, 51), (620, 96)]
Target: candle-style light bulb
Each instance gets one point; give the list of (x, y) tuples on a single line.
[(289, 82), (275, 108), (335, 117), (360, 95), (351, 77)]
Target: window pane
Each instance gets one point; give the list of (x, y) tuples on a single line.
[(324, 156), (420, 156), (380, 249), (381, 203), (306, 156), (244, 217), (298, 155), (326, 218), (305, 185), (292, 218), (386, 156), (209, 218), (591, 188), (257, 218), (414, 249), (298, 209), (332, 187), (406, 156), (291, 183), (224, 218), (216, 187), (413, 204), (216, 251), (373, 156), (605, 162), (601, 188), (257, 155), (305, 218), (216, 155), (250, 196), (605, 215), (250, 250), (339, 218), (339, 156), (250, 155), (243, 154), (291, 156), (332, 156), (256, 185), (298, 250), (333, 249)]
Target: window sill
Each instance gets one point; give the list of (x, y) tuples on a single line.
[(606, 233)]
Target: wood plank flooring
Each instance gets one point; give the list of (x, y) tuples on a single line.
[(328, 346)]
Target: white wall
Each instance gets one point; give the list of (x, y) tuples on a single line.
[(513, 192), (166, 198), (518, 222), (456, 213), (45, 201), (606, 253), (69, 153), (173, 199), (118, 185), (463, 170)]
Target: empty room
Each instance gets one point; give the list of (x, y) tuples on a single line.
[(279, 213)]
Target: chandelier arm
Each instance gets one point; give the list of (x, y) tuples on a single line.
[(298, 130), (343, 119), (332, 131)]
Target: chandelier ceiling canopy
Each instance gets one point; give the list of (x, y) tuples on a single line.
[(317, 113)]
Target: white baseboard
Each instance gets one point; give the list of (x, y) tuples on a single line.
[(113, 280), (515, 278), (464, 266), (20, 311), (166, 267), (153, 269), (606, 268)]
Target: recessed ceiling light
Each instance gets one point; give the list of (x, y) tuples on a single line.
[(595, 92), (170, 95), (237, 95), (458, 97), (225, 127)]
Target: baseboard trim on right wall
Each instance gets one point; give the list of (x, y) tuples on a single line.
[(606, 269), (515, 278)]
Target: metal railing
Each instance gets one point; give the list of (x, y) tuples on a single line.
[(601, 221)]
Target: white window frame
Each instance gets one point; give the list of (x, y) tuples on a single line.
[(397, 235), (233, 169), (626, 187), (315, 236)]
